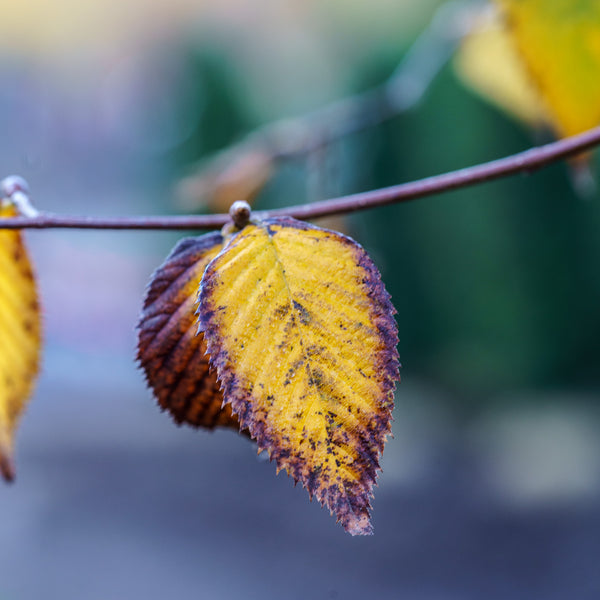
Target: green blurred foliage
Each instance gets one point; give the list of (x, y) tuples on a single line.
[(222, 118), (497, 287)]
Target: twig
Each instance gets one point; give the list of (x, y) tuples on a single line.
[(523, 162)]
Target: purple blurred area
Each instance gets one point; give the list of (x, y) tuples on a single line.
[(114, 501)]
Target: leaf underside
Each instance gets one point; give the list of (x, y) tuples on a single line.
[(20, 337), (300, 330), (170, 351)]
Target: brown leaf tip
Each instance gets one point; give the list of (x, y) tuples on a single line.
[(358, 524), (350, 505), (7, 467)]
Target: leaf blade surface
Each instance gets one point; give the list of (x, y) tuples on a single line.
[(559, 42), (20, 337), (301, 332)]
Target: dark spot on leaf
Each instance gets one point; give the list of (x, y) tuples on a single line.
[(281, 310), (316, 378), (303, 314)]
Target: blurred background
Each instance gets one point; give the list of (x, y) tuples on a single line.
[(491, 484)]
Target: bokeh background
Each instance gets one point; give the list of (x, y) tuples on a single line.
[(491, 484)]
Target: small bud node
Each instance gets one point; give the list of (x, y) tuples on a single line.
[(9, 186), (16, 190), (240, 213)]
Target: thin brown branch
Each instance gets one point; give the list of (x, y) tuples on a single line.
[(523, 162)]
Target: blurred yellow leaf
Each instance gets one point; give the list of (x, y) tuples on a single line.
[(171, 354), (489, 64), (20, 336), (559, 42), (300, 329), (540, 61)]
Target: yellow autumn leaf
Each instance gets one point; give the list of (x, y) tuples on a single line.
[(171, 354), (489, 64), (300, 329), (20, 336), (540, 61), (559, 42)]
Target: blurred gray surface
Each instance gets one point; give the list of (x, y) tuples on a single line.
[(114, 501)]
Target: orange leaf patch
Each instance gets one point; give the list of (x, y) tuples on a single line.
[(170, 351)]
